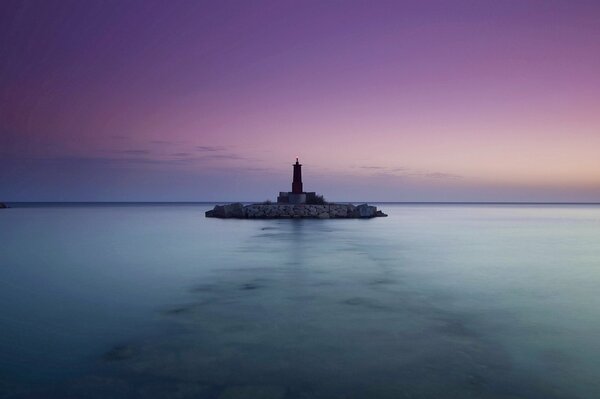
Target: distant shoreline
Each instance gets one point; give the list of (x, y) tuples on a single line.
[(17, 204)]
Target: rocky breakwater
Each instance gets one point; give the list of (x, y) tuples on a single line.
[(3, 206), (294, 211)]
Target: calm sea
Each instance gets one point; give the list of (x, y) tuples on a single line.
[(435, 301)]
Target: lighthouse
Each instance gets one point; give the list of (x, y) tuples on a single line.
[(297, 195), (297, 204), (297, 182)]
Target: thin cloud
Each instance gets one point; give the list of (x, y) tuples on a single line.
[(386, 168), (408, 172), (134, 152), (441, 175), (210, 148), (434, 175), (224, 156), (213, 158)]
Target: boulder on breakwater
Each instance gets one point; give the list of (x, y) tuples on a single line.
[(296, 211)]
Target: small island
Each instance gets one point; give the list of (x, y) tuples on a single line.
[(295, 204)]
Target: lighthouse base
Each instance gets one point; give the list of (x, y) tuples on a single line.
[(295, 198), (287, 211)]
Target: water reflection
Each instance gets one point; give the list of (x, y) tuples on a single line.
[(298, 319), (346, 309)]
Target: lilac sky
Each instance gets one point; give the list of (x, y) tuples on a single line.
[(383, 101)]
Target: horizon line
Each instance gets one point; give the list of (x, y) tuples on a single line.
[(374, 202)]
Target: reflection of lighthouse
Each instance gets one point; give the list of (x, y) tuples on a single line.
[(297, 195), (297, 182)]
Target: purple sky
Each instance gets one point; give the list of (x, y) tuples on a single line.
[(383, 101)]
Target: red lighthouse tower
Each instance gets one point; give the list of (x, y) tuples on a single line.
[(297, 182), (297, 195)]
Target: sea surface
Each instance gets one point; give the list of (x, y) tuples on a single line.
[(435, 301)]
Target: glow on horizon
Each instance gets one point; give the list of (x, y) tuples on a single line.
[(382, 101)]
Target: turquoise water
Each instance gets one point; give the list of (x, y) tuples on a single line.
[(435, 301)]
